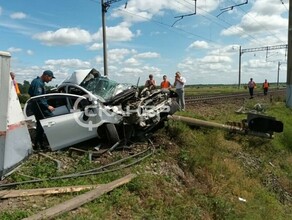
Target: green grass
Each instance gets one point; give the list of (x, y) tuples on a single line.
[(196, 173)]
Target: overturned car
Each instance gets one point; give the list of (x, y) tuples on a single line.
[(89, 105)]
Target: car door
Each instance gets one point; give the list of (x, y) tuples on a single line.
[(67, 125)]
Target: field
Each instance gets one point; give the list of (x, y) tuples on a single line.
[(191, 173)]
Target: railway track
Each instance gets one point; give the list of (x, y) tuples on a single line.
[(203, 98)]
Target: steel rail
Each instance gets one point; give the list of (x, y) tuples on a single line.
[(201, 98)]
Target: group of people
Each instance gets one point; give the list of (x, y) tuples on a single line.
[(252, 85), (179, 84)]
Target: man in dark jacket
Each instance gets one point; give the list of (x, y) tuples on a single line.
[(40, 108)]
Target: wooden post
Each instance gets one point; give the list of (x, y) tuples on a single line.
[(4, 194), (80, 200)]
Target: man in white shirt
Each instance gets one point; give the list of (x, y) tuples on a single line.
[(179, 84)]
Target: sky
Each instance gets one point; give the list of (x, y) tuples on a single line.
[(201, 39)]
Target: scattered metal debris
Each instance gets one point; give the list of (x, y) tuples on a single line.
[(256, 125), (110, 167)]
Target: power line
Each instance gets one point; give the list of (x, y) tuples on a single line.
[(185, 15), (229, 25), (284, 4), (170, 27), (229, 8), (248, 14)]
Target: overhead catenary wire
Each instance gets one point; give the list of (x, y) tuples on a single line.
[(284, 5), (171, 27), (163, 24), (242, 31), (222, 20), (186, 15), (167, 25), (229, 8), (249, 15)]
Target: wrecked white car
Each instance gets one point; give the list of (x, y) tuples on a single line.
[(89, 105)]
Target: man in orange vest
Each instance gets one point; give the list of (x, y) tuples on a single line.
[(165, 84), (266, 87)]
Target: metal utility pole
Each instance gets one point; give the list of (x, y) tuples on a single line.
[(239, 68), (289, 63), (104, 8), (267, 49), (279, 64)]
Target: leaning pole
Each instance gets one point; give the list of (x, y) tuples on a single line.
[(289, 63)]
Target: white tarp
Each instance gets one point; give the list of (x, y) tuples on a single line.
[(15, 142)]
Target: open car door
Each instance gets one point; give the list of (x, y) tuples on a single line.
[(67, 125)]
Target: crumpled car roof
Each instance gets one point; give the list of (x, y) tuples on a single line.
[(79, 75), (98, 85)]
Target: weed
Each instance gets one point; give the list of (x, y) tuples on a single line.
[(15, 214)]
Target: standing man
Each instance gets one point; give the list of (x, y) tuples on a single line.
[(251, 85), (179, 84), (15, 83), (165, 84), (37, 87), (266, 87)]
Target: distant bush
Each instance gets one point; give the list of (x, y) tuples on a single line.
[(23, 98)]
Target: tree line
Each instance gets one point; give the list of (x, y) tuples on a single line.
[(23, 88)]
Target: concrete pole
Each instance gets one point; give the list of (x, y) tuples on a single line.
[(279, 63), (103, 9), (289, 63), (239, 68)]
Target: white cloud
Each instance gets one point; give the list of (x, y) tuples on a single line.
[(131, 71), (29, 52), (265, 17), (199, 44), (95, 46), (1, 10), (64, 36), (215, 59), (117, 33), (18, 15), (142, 11), (233, 30), (268, 7), (71, 63), (132, 62), (14, 49), (147, 55), (99, 60), (117, 55), (255, 63), (151, 69)]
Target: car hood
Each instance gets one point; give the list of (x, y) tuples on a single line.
[(78, 76)]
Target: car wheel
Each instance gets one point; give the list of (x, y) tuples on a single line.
[(109, 133)]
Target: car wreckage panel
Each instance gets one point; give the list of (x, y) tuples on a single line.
[(98, 106)]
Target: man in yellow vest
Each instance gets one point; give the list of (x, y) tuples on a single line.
[(266, 87)]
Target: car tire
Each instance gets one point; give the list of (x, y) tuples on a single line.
[(108, 133)]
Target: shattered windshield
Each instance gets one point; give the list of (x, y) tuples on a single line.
[(102, 86)]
